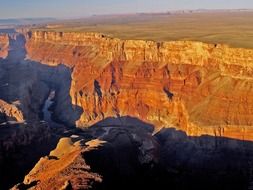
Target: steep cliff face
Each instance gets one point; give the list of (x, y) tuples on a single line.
[(199, 88), (24, 87), (4, 45)]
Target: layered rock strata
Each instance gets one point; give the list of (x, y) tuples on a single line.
[(4, 45), (197, 87)]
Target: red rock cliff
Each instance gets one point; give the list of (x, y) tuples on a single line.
[(197, 87), (4, 45)]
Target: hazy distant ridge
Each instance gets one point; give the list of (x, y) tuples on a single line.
[(23, 21)]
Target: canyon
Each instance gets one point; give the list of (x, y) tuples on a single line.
[(199, 88), (123, 113)]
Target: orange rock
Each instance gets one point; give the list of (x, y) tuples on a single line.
[(59, 169), (197, 87), (11, 112), (4, 45)]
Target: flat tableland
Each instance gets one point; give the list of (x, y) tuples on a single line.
[(234, 28)]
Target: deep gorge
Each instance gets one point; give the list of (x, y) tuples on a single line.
[(133, 111)]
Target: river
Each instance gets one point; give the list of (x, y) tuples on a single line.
[(47, 114)]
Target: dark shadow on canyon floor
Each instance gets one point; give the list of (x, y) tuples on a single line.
[(134, 158), (20, 149)]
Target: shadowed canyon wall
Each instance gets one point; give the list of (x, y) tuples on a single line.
[(197, 87), (24, 87)]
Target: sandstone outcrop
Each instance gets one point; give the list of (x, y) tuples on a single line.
[(112, 151), (197, 87), (10, 112), (102, 156), (64, 168), (4, 45), (112, 155)]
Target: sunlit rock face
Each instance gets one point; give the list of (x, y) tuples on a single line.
[(64, 168), (197, 87), (113, 155), (4, 45), (10, 112)]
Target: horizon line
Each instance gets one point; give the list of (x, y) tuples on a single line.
[(202, 10)]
